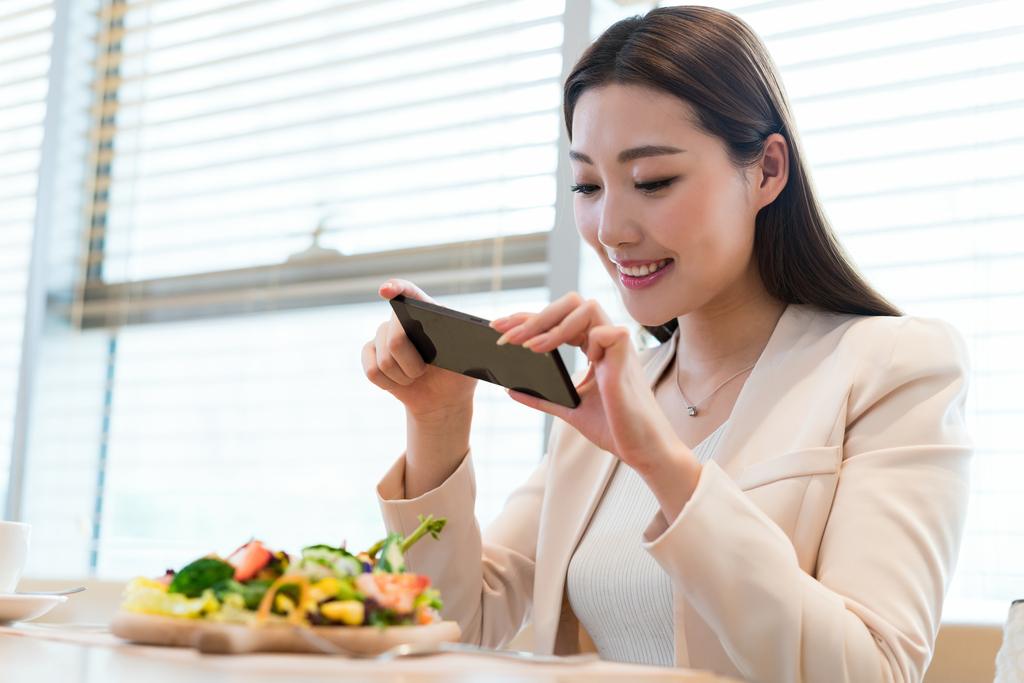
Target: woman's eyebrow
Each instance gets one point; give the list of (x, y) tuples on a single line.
[(635, 153), (580, 156), (627, 155)]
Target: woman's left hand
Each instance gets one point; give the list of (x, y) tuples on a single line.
[(617, 410)]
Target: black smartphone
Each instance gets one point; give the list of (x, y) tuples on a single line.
[(466, 344)]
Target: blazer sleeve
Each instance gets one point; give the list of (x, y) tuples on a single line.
[(889, 547), (486, 580)]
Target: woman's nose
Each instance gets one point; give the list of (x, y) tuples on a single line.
[(616, 224)]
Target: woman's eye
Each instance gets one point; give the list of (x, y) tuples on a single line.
[(584, 189), (654, 186)]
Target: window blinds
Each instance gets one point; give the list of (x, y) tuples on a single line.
[(242, 148), (227, 132), (25, 36), (265, 425), (910, 112)]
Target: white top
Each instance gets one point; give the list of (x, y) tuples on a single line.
[(621, 596)]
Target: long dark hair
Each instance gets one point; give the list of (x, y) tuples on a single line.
[(713, 61)]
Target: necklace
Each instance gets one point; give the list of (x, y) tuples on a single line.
[(692, 410)]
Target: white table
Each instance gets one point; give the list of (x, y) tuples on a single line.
[(59, 654)]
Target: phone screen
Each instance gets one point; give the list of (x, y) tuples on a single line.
[(468, 345)]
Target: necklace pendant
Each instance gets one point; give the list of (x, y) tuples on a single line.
[(692, 410)]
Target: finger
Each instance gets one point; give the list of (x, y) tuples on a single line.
[(395, 286), (608, 340), (386, 361), (540, 404), (372, 370), (576, 324), (403, 351), (508, 322), (538, 323)]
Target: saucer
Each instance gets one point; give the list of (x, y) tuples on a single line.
[(15, 607)]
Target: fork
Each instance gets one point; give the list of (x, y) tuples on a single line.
[(427, 649)]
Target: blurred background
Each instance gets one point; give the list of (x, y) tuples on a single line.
[(200, 198)]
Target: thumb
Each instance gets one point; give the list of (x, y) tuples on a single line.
[(396, 286)]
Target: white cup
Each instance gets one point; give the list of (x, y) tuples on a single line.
[(13, 553)]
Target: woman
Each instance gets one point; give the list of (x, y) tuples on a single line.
[(778, 491)]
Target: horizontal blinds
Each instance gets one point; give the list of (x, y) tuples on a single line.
[(154, 444), (25, 36), (227, 132), (909, 111), (266, 425)]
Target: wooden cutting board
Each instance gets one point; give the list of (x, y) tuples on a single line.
[(220, 638)]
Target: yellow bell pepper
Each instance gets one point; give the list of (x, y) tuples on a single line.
[(350, 612), (324, 589)]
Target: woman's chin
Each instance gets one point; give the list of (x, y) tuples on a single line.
[(649, 318)]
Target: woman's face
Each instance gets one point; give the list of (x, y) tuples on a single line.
[(668, 213)]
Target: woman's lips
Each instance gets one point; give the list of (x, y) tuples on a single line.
[(644, 281)]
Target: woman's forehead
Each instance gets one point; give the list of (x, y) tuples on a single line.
[(615, 119)]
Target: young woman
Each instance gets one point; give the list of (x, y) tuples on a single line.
[(778, 491)]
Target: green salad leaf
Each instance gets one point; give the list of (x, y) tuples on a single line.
[(200, 575), (250, 591), (347, 590), (431, 598)]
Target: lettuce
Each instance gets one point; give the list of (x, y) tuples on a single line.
[(202, 574)]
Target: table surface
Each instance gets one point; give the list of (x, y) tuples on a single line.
[(87, 654)]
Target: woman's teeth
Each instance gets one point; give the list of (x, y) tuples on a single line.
[(646, 269)]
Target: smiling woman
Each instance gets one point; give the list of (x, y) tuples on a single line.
[(688, 207), (799, 520), (717, 76)]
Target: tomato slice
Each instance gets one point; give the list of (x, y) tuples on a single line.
[(249, 560)]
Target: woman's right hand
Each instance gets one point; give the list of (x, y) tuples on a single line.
[(430, 394)]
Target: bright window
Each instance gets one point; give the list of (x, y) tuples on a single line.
[(256, 171), (26, 31)]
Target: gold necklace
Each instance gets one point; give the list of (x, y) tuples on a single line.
[(692, 410)]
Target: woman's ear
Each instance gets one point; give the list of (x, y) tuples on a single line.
[(773, 169)]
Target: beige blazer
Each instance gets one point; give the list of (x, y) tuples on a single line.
[(817, 546)]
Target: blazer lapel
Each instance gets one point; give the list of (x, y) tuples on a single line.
[(760, 392)]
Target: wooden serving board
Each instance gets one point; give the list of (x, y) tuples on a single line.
[(218, 638)]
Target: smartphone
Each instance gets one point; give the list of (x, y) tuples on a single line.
[(466, 344)]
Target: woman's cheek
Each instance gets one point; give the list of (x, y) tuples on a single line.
[(586, 223)]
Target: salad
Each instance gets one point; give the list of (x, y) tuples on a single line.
[(324, 586)]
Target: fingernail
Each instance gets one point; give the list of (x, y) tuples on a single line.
[(502, 340), (536, 341), (506, 390), (496, 321)]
